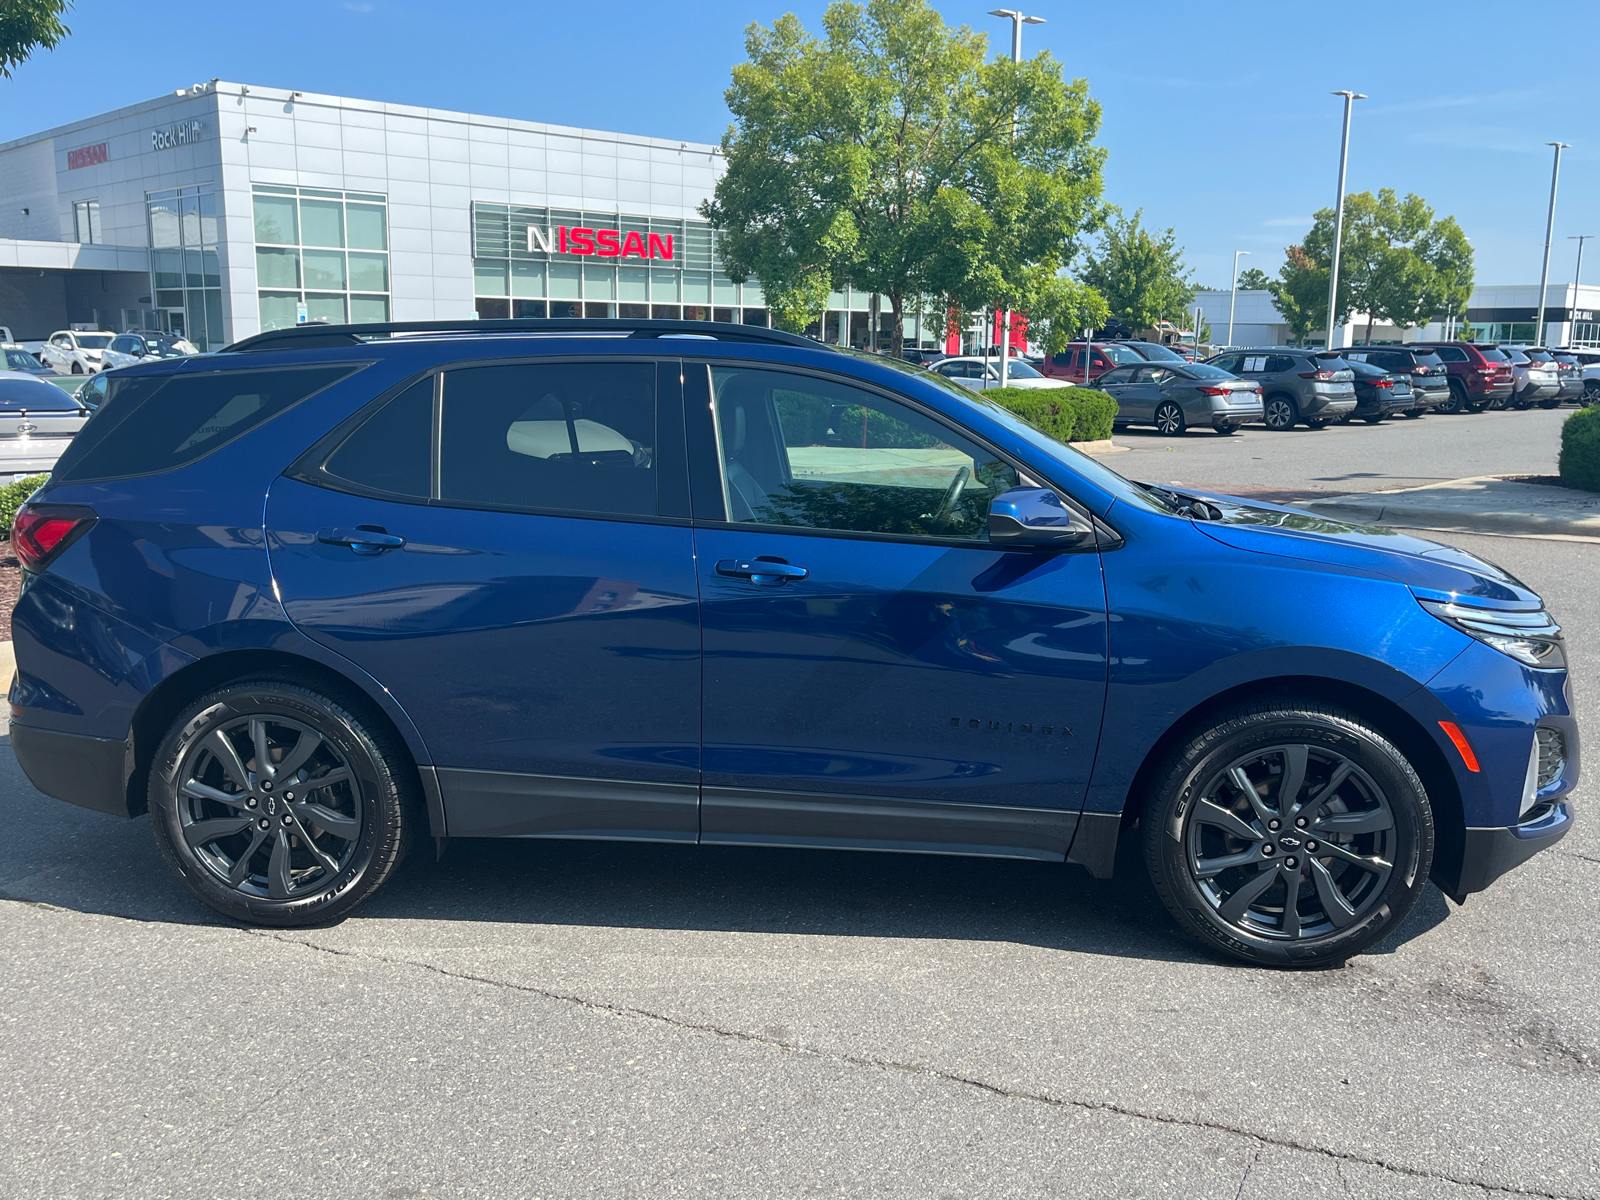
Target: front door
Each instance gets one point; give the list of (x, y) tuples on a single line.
[(506, 548), (876, 674)]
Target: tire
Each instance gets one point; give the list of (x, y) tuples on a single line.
[(1169, 419), (77, 368), (1226, 430), (1591, 392), (325, 847), (1411, 414), (1455, 402), (1552, 403), (1318, 425), (1207, 841), (1372, 420), (1280, 413)]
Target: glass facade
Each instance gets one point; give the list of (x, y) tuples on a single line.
[(185, 270), (518, 273), (321, 256)]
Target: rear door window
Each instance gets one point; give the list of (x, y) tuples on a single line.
[(392, 451), (154, 423), (564, 437), (1277, 363)]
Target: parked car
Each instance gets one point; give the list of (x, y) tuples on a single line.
[(1067, 366), (335, 590), (1480, 375), (1314, 386), (1430, 382), (1589, 359), (126, 349), (1569, 370), (1379, 393), (1174, 396), (37, 422), (922, 356), (15, 358), (980, 374), (1536, 376), (75, 353)]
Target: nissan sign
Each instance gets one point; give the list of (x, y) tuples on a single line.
[(179, 135), (604, 243)]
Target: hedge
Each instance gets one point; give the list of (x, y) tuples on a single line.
[(1069, 414), (1580, 450), (12, 497)]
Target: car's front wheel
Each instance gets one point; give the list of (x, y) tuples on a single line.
[(1289, 833), (1280, 413), (279, 805)]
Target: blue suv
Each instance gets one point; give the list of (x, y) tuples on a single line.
[(337, 588)]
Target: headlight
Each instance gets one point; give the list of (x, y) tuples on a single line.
[(1532, 638)]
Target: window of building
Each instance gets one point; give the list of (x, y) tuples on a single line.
[(322, 257), (86, 221), (185, 266)]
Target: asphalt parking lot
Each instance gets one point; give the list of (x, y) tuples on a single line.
[(553, 1020)]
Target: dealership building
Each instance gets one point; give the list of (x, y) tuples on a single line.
[(226, 209)]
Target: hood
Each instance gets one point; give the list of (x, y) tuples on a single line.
[(1432, 571)]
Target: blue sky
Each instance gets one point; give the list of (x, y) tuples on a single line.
[(1217, 117)]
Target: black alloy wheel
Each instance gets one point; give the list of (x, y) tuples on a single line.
[(1591, 391), (1456, 401), (1280, 413), (279, 805), (1169, 419), (1289, 834)]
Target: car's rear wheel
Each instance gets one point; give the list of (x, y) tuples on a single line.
[(1226, 430), (1169, 419), (279, 805), (1373, 420), (1591, 391), (1289, 834), (1553, 402), (1280, 412), (1455, 402)]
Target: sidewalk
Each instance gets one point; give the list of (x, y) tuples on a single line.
[(1520, 507)]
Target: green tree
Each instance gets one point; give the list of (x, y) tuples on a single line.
[(1300, 293), (26, 25), (1141, 275), (1254, 280), (1397, 264), (883, 155)]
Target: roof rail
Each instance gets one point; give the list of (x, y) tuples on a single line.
[(311, 337)]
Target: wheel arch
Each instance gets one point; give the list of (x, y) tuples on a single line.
[(162, 704), (1387, 717)]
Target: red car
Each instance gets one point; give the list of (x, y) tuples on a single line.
[(1068, 365), (1480, 375)]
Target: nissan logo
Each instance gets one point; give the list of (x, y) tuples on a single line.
[(27, 427)]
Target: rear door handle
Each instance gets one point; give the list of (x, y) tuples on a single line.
[(769, 572), (363, 539)]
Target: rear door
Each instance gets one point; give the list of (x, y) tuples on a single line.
[(876, 674), (506, 548)]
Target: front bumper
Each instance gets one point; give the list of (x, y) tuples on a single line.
[(1490, 853), (88, 771)]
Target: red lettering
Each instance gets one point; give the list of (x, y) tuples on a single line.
[(608, 243), (633, 244), (581, 240), (563, 245), (660, 249)]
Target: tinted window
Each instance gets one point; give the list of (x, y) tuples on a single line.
[(1018, 369), (816, 453), (155, 423), (93, 394), (21, 360), (1158, 353), (1119, 375), (1120, 354), (1230, 363), (35, 395), (1451, 354), (1203, 371), (393, 450), (576, 437), (956, 370), (1427, 358), (1494, 355), (1366, 370), (1279, 362), (124, 345), (94, 341)]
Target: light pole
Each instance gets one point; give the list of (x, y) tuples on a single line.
[(1338, 222), (1549, 230), (1018, 20), (1234, 297), (1577, 282)]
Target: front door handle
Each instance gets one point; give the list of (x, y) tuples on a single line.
[(769, 572), (363, 539)]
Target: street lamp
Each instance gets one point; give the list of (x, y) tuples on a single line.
[(1577, 282), (1549, 230), (1232, 299), (1018, 20), (1338, 222)]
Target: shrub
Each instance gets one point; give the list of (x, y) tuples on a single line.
[(1580, 449), (12, 497), (1071, 414)]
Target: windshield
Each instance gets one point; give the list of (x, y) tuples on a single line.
[(1427, 358), (1494, 355), (21, 360), (1205, 371), (94, 341), (1021, 370), (172, 348), (1539, 355), (1366, 370), (1158, 353)]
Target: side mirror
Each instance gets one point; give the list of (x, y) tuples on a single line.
[(1031, 516)]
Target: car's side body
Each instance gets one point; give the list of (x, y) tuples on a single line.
[(565, 674)]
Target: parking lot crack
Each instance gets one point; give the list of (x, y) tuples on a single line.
[(926, 1071)]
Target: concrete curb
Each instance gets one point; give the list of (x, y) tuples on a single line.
[(1103, 446), (1484, 504)]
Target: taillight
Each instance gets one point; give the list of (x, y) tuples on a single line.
[(1322, 375), (41, 532), (1486, 370), (1216, 391), (1388, 383)]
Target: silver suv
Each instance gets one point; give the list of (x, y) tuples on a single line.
[(1313, 386)]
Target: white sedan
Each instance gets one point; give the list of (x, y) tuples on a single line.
[(980, 374), (75, 353), (126, 349)]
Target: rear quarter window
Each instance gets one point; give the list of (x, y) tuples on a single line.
[(154, 423)]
